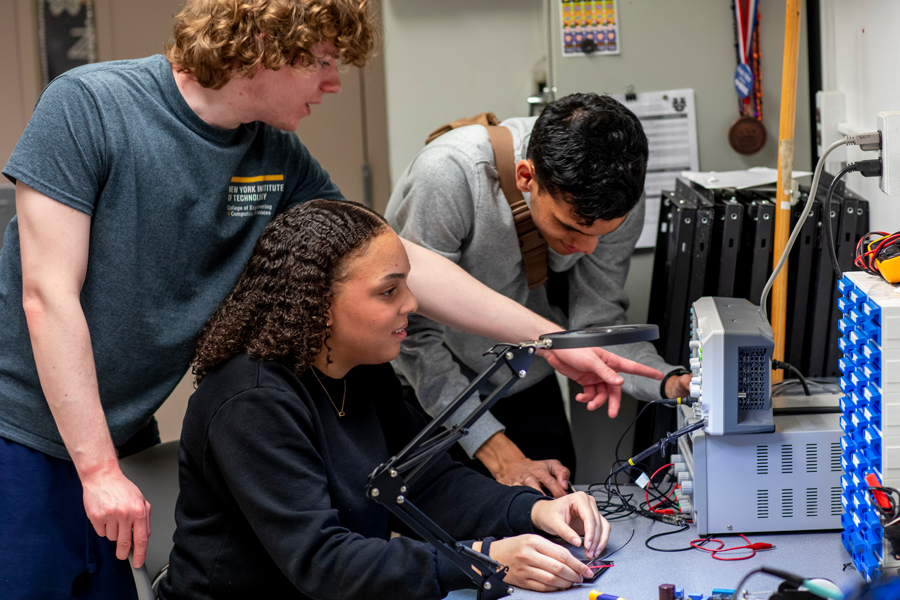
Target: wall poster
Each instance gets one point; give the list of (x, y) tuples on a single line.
[(589, 27)]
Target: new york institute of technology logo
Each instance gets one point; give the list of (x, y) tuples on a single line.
[(252, 196)]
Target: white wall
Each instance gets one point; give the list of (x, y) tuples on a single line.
[(445, 60), (690, 44), (861, 57)]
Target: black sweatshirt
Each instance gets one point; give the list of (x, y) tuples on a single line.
[(273, 503)]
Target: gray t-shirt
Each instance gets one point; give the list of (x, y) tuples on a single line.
[(176, 206)]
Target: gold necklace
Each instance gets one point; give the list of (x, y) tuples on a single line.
[(340, 412)]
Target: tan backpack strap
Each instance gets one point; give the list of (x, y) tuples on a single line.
[(487, 119), (531, 243)]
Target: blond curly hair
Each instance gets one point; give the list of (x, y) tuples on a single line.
[(216, 40)]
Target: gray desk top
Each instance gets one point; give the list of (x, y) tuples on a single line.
[(639, 571)]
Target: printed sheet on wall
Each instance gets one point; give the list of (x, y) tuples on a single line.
[(670, 122)]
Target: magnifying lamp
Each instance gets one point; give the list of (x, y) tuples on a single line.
[(390, 482)]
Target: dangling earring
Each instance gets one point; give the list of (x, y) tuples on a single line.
[(328, 360)]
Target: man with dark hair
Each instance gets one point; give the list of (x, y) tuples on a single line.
[(591, 152), (581, 167)]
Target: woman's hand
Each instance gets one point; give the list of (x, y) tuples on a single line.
[(570, 517), (538, 564)]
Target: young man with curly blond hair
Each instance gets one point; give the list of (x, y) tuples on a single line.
[(141, 188)]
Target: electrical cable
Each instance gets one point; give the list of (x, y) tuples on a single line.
[(753, 547), (661, 444), (891, 513), (679, 401), (635, 420), (746, 578), (651, 488), (813, 587), (868, 260), (606, 556), (781, 365), (870, 141), (865, 260), (617, 505), (653, 508), (806, 410), (673, 532), (866, 168), (886, 501), (800, 221), (684, 527), (612, 511), (827, 216), (781, 388)]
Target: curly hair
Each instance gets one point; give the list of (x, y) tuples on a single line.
[(216, 40), (277, 309), (590, 151)]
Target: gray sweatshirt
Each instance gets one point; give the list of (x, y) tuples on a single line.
[(449, 200)]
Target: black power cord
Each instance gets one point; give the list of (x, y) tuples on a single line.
[(778, 364), (866, 168), (684, 527)]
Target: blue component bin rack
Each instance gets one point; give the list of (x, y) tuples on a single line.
[(870, 379)]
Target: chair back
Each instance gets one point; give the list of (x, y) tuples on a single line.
[(155, 472)]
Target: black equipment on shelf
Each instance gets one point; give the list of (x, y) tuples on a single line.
[(738, 262), (740, 259)]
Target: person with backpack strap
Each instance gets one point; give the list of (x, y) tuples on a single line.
[(545, 211)]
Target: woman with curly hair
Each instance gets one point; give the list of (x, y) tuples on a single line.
[(294, 409)]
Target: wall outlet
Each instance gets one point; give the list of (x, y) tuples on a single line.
[(831, 111), (889, 126)]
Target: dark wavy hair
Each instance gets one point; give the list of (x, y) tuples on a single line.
[(277, 309), (215, 40), (590, 151)]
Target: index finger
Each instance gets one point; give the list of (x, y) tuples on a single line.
[(591, 519), (625, 365), (603, 539), (601, 362)]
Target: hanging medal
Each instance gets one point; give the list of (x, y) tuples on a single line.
[(747, 135)]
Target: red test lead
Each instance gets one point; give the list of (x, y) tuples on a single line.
[(713, 552), (880, 497)]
